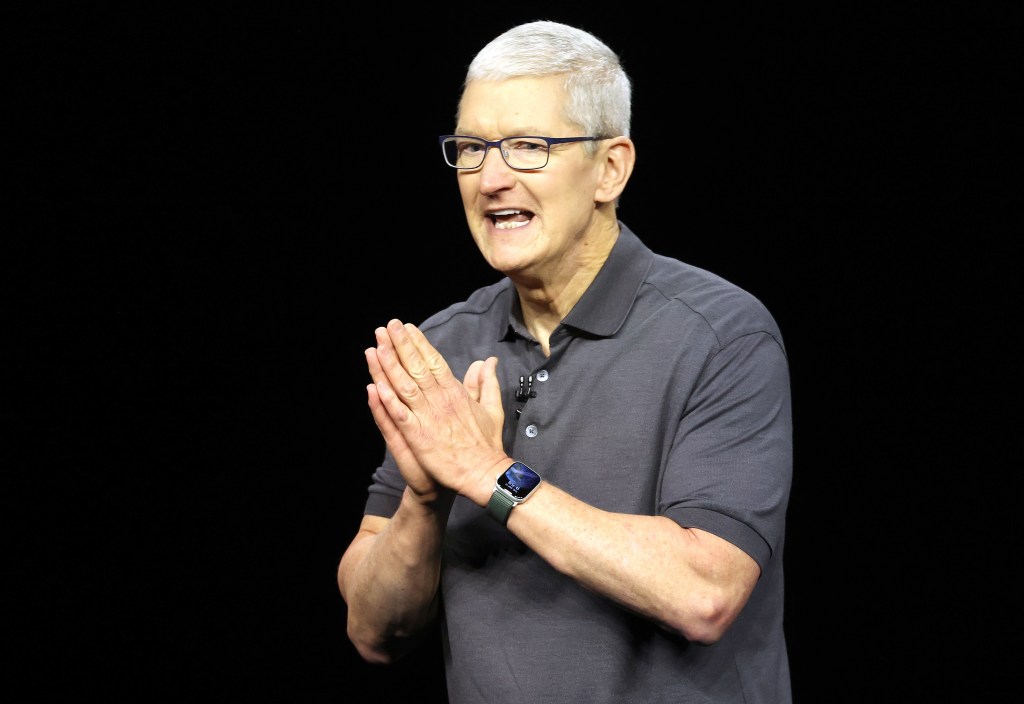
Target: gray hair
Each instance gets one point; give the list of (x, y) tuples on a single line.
[(598, 88)]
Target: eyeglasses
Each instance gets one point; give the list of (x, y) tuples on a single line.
[(521, 153)]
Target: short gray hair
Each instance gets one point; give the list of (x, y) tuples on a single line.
[(599, 90)]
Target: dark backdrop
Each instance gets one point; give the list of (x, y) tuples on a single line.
[(214, 207)]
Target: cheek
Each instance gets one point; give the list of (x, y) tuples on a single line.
[(575, 193), (578, 182)]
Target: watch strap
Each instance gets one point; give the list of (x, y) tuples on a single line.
[(500, 505)]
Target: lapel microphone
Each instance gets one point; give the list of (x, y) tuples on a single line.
[(526, 391)]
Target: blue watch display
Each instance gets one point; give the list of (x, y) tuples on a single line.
[(511, 488)]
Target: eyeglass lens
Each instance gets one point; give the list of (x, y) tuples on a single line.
[(518, 152)]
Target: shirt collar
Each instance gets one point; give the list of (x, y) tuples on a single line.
[(603, 308)]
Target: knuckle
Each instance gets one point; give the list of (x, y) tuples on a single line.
[(408, 388)]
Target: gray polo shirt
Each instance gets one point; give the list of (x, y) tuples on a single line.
[(666, 393)]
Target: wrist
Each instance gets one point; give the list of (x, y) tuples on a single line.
[(438, 501), (484, 486)]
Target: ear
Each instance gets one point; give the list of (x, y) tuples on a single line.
[(619, 155)]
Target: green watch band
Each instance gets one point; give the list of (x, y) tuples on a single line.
[(500, 506)]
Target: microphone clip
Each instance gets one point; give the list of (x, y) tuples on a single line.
[(526, 391)]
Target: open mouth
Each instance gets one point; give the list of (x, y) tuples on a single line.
[(510, 219)]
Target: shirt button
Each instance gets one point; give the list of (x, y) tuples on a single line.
[(542, 375), (531, 431)]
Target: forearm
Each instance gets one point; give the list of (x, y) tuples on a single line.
[(389, 579), (689, 581)]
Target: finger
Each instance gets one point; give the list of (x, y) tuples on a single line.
[(385, 395), (434, 360), (388, 430), (380, 415), (373, 364), (384, 367), (407, 348), (394, 371), (401, 415)]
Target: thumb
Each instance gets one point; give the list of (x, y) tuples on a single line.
[(481, 384), (490, 388), (473, 380)]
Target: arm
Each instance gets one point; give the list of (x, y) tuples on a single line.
[(687, 580), (388, 577), (389, 574)]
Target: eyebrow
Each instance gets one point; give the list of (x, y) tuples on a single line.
[(518, 132)]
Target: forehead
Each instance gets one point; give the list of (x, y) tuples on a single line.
[(513, 106)]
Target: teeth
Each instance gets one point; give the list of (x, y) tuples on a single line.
[(509, 225), (506, 212)]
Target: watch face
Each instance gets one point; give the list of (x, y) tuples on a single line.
[(519, 480)]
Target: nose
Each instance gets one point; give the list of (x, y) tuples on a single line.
[(495, 174)]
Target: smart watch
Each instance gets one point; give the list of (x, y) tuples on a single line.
[(510, 489)]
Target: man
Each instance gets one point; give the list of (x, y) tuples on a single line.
[(597, 510)]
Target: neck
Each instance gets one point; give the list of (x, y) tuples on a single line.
[(546, 301)]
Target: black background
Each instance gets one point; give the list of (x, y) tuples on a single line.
[(213, 207)]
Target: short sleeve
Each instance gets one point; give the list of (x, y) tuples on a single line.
[(730, 467)]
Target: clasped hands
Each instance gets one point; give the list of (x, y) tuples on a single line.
[(443, 433)]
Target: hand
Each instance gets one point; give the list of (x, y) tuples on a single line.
[(441, 431), (419, 482)]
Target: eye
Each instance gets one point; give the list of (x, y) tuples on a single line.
[(525, 144), (470, 147)]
